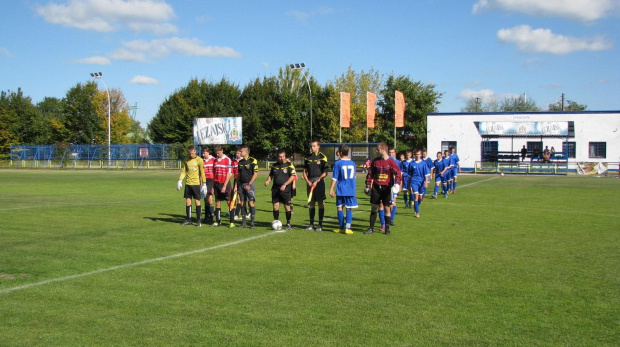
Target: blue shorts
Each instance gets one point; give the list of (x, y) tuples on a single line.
[(439, 178), (405, 182), (346, 201), (448, 176), (417, 187)]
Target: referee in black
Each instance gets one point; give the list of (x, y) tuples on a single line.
[(315, 170)]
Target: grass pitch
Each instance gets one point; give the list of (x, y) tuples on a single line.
[(99, 258)]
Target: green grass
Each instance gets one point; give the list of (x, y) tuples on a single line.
[(510, 260)]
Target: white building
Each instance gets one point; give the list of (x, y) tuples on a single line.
[(592, 136)]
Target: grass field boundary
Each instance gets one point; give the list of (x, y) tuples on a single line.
[(143, 262)]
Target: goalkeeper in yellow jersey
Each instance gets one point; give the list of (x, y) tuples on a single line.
[(193, 172)]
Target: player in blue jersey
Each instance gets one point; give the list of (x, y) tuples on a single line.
[(404, 165), (343, 179), (429, 165), (447, 172), (418, 175), (455, 169), (438, 168), (448, 169)]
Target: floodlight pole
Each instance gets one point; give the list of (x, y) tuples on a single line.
[(301, 66), (99, 76)]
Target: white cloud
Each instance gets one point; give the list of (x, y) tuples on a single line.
[(143, 80), (140, 50), (581, 10), (265, 65), (304, 16), (530, 40), (485, 95), (5, 52), (150, 16), (92, 60)]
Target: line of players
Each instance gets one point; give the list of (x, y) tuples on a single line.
[(209, 178)]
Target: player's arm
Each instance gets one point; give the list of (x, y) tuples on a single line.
[(331, 188)]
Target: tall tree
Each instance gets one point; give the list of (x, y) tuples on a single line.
[(9, 122), (174, 121), (82, 119), (120, 122), (420, 99), (52, 112), (260, 112), (357, 84)]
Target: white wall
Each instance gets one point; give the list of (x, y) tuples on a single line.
[(597, 126)]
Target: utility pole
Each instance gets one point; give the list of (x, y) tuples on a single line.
[(562, 102)]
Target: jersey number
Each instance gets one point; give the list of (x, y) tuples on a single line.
[(348, 171)]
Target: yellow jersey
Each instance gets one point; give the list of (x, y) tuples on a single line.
[(194, 170)]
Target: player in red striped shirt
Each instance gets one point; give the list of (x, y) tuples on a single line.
[(208, 160), (221, 183)]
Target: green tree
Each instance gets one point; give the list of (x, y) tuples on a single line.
[(261, 116), (52, 112), (420, 99), (120, 121), (81, 117), (8, 122), (518, 104), (357, 84), (569, 106), (174, 120)]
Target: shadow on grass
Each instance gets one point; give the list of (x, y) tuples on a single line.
[(170, 218)]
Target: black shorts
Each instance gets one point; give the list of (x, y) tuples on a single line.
[(217, 192), (209, 183), (381, 194), (319, 192), (246, 195), (284, 197), (192, 192)]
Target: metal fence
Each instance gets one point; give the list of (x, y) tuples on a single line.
[(127, 156)]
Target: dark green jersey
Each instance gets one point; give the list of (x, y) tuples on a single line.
[(247, 168), (315, 165), (281, 172)]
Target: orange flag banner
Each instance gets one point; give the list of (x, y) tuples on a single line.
[(371, 100), (399, 110), (345, 110)]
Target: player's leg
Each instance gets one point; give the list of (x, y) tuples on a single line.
[(339, 204), (188, 209)]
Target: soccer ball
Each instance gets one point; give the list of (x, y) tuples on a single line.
[(276, 225), (502, 174)]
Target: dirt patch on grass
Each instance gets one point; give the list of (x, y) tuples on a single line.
[(11, 277)]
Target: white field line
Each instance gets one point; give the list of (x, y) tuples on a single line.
[(143, 262)]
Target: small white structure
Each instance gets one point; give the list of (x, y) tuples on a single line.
[(584, 136)]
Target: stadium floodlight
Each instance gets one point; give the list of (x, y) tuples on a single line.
[(99, 76), (301, 66)]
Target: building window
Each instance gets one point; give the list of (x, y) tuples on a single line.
[(535, 148), (571, 149), (445, 145), (488, 150), (598, 149)]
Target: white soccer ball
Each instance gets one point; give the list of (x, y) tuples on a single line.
[(502, 174), (276, 225)]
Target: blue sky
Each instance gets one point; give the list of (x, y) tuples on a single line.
[(479, 48)]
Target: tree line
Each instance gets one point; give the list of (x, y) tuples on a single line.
[(275, 112)]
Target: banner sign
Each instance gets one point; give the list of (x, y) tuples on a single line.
[(218, 131), (345, 110), (371, 100), (523, 128), (399, 109)]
